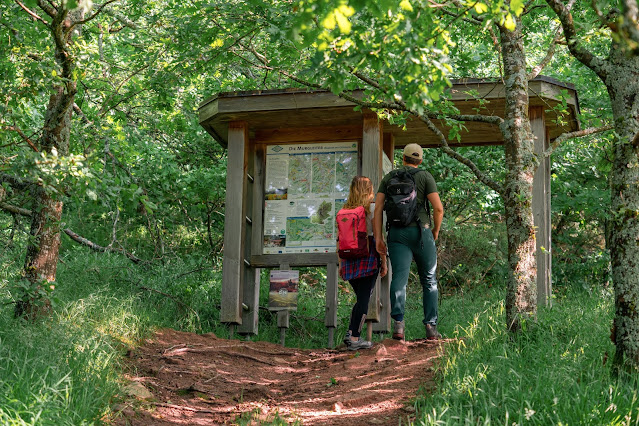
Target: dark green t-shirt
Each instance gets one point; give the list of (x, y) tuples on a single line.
[(425, 185)]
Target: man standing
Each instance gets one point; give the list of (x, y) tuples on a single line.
[(414, 241)]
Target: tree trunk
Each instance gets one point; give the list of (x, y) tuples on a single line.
[(521, 297), (623, 88), (43, 247), (42, 255)]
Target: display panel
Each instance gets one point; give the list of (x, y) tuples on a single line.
[(305, 184)]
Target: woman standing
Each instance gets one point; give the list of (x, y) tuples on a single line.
[(361, 272)]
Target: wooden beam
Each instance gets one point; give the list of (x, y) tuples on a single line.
[(308, 134), (234, 224), (389, 147), (372, 148), (283, 317), (372, 151), (541, 207), (330, 320), (301, 259), (251, 281), (383, 325), (257, 236)]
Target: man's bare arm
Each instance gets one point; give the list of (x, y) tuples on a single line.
[(438, 212)]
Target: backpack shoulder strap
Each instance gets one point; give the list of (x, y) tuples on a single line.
[(414, 170)]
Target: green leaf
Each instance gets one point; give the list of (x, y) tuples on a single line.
[(509, 23), (405, 5), (517, 6), (481, 8), (341, 16)]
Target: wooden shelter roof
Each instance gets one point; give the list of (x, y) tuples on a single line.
[(295, 114)]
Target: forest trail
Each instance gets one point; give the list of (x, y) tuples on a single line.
[(204, 380)]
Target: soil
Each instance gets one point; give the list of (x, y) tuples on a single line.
[(204, 380)]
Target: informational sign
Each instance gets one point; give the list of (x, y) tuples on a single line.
[(305, 186), (283, 292)]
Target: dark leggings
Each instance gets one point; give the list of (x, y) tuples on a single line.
[(363, 289)]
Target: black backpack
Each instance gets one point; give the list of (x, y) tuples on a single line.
[(401, 198)]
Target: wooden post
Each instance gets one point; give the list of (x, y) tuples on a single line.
[(231, 331), (252, 275), (389, 147), (541, 207), (384, 324), (283, 317), (330, 320), (372, 145), (234, 224)]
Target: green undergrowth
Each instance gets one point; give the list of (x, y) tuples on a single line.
[(67, 369), (557, 371)]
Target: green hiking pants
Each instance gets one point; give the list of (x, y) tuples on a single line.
[(404, 245)]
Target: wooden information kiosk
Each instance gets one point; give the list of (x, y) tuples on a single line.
[(291, 156)]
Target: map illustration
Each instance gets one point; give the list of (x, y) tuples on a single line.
[(318, 225), (299, 178), (345, 169), (323, 173)]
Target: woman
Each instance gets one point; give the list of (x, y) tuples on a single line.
[(361, 272)]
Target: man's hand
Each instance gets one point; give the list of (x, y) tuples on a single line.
[(383, 267), (380, 245), (438, 212)]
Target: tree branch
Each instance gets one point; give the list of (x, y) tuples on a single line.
[(95, 247), (23, 136), (575, 46), (122, 19), (49, 9), (551, 49), (31, 13), (15, 209), (477, 118), (577, 134), (549, 55), (90, 18), (18, 183), (497, 46), (467, 162)]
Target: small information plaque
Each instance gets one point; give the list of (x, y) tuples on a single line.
[(282, 294)]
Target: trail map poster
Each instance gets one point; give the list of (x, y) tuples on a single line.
[(305, 186)]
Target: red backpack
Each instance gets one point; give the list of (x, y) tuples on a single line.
[(352, 237)]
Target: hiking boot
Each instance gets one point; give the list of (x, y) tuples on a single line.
[(398, 330), (432, 333), (347, 338), (360, 344)]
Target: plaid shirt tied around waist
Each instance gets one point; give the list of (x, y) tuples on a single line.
[(360, 267)]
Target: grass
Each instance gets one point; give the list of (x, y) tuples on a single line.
[(66, 369), (557, 371)]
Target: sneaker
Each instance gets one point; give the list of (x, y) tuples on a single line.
[(360, 344), (347, 338), (398, 330), (432, 333)]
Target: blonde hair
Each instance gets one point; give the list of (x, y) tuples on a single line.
[(360, 194)]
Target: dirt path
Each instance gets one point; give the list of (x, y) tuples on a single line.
[(204, 380)]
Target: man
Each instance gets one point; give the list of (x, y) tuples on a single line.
[(415, 241)]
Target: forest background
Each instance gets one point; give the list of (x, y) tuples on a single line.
[(139, 188)]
